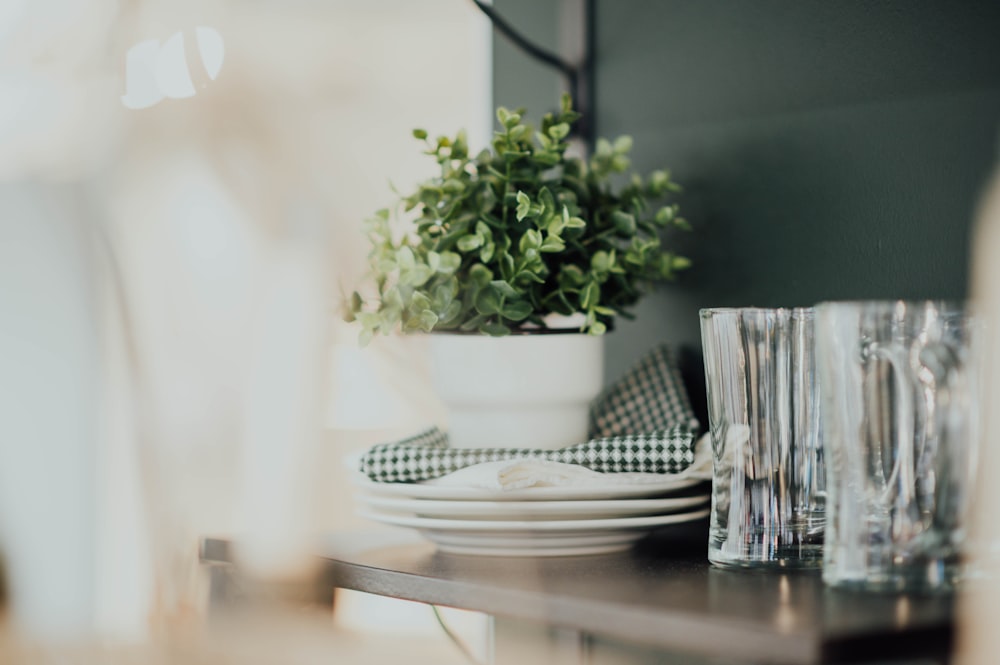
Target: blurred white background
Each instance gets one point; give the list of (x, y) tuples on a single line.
[(179, 216)]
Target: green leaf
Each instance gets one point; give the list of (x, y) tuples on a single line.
[(390, 318), (385, 266), (474, 323), (600, 262), (623, 144), (531, 239), (517, 311), (571, 276), (556, 225), (392, 298), (441, 297), (486, 253), (575, 223), (502, 115), (597, 328), (480, 275), (624, 223), (451, 313), (680, 263), (559, 132), (488, 301), (566, 103), (506, 265), (523, 206), (562, 304), (603, 148), (430, 196), (546, 200), (659, 180), (526, 276), (369, 320), (547, 158), (469, 242), (552, 244), (487, 200), (590, 295), (460, 148), (504, 288), (420, 134), (520, 133), (418, 276), (427, 320), (495, 329), (404, 257), (665, 215), (503, 243), (419, 302), (434, 260), (449, 262)]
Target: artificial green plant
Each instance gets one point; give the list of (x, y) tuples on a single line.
[(500, 240)]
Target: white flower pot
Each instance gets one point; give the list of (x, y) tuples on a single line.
[(522, 391)]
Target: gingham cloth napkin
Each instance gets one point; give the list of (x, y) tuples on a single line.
[(642, 423)]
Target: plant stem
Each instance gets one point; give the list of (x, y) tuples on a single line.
[(602, 234), (506, 192)]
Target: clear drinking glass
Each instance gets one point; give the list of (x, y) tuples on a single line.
[(768, 488), (897, 399)]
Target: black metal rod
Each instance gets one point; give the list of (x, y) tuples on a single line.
[(587, 74), (507, 30)]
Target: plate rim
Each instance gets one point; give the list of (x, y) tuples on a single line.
[(611, 524), (559, 492), (564, 509)]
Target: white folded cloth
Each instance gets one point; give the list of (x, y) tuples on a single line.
[(505, 475)]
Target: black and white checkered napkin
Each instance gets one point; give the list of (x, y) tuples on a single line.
[(642, 423)]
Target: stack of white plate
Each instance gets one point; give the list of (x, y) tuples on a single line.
[(536, 521)]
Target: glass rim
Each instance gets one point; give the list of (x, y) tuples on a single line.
[(707, 312), (953, 305)]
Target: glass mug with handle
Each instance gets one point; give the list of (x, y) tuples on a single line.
[(897, 401)]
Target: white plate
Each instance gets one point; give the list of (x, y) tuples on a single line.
[(562, 493), (535, 545), (531, 510), (534, 538)]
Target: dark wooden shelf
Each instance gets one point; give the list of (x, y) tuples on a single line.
[(662, 595)]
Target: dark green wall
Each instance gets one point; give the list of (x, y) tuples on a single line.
[(829, 150)]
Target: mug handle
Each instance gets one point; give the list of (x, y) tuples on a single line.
[(900, 486), (940, 371), (935, 366)]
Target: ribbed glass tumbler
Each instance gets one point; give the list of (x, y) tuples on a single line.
[(768, 487)]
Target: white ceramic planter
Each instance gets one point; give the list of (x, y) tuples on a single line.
[(524, 391)]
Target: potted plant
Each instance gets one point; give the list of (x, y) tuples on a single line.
[(506, 247)]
